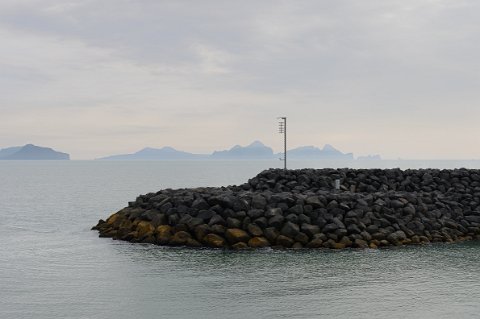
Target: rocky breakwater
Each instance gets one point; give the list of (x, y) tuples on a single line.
[(300, 209)]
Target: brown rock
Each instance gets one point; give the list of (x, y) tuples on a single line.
[(201, 231), (180, 238), (415, 239), (164, 234), (315, 243), (214, 240), (125, 224), (258, 242), (375, 242), (164, 230), (235, 235), (284, 241), (144, 228), (360, 243), (112, 219), (346, 241)]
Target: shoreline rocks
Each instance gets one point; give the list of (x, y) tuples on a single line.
[(300, 209)]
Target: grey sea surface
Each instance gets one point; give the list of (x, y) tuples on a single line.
[(53, 266)]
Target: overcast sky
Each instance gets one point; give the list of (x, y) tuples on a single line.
[(93, 78)]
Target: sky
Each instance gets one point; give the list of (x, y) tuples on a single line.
[(400, 78)]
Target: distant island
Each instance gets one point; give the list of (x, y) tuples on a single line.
[(312, 152), (148, 153), (254, 151), (31, 152)]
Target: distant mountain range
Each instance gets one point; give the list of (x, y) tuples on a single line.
[(312, 152), (256, 150), (31, 152), (148, 153)]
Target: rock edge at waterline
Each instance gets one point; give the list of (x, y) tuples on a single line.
[(300, 209)]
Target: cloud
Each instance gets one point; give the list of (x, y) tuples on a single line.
[(366, 76)]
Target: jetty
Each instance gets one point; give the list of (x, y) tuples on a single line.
[(309, 208)]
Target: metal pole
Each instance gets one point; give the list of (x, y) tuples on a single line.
[(285, 143), (283, 130)]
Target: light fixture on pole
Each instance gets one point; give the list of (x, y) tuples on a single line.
[(282, 129)]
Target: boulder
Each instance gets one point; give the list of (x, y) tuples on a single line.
[(218, 229), (271, 234), (233, 223), (315, 243), (284, 241), (194, 222), (206, 214), (254, 230), (217, 220), (214, 241), (258, 242), (297, 209), (396, 238), (200, 204), (309, 229), (201, 231), (314, 201), (330, 228), (235, 235), (360, 243), (255, 213), (276, 221), (112, 219), (259, 202), (261, 222), (144, 228), (290, 230), (301, 238), (180, 238), (473, 218), (273, 212)]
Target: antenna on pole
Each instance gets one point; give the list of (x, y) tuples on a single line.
[(282, 129)]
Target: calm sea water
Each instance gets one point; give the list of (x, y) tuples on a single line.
[(53, 266)]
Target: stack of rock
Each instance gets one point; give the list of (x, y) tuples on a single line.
[(301, 208)]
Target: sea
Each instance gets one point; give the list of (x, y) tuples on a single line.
[(53, 266)]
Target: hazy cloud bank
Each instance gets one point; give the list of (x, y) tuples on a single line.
[(398, 78)]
